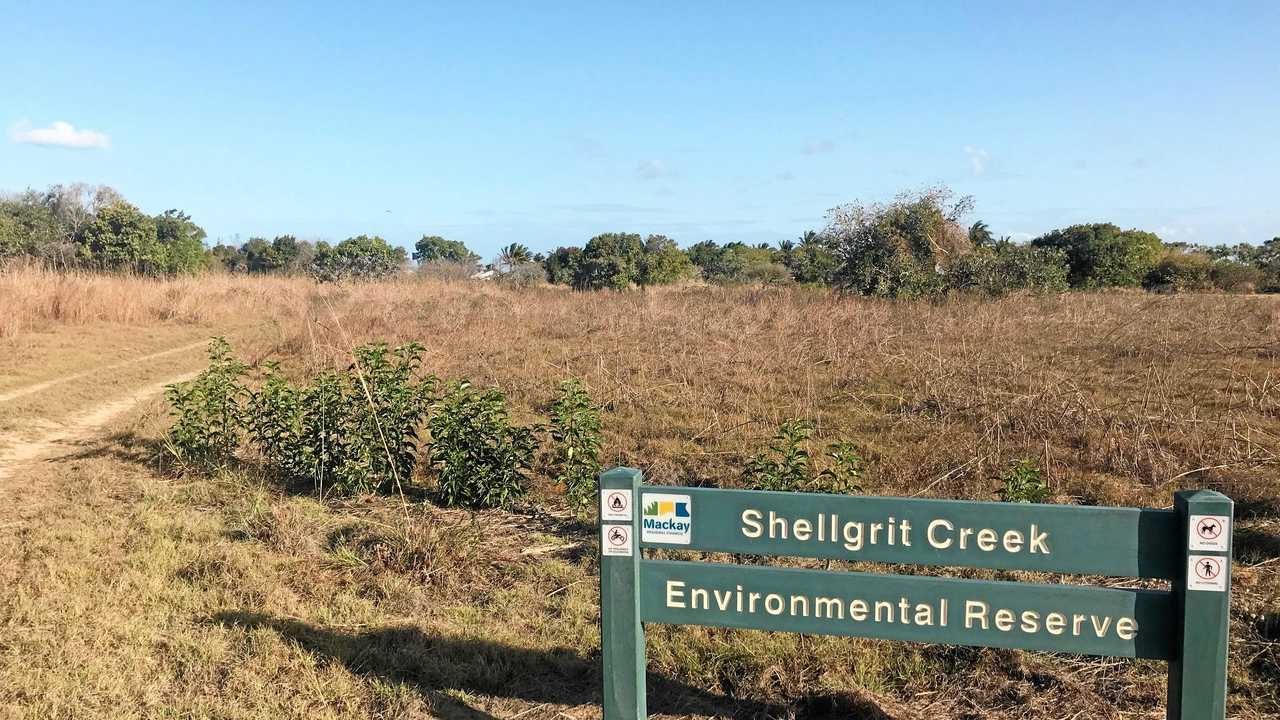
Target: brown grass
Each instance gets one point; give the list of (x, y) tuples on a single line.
[(237, 598)]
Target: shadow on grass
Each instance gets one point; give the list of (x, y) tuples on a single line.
[(1254, 545), (128, 446), (435, 664)]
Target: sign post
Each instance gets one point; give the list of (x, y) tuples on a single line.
[(621, 630), (1198, 675), (1190, 546)]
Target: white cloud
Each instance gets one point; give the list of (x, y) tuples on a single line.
[(59, 134), (818, 147), (652, 170), (977, 159)]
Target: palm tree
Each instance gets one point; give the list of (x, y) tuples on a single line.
[(980, 234), (513, 255)]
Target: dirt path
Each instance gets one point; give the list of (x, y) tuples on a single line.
[(20, 448), (37, 387), (90, 407)]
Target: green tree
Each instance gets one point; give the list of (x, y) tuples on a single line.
[(514, 255), (292, 255), (121, 237), (364, 257), (704, 254), (901, 248), (810, 261), (183, 241), (227, 256), (433, 248), (1103, 255), (663, 262), (1180, 270), (260, 257), (28, 227), (610, 260), (1002, 268), (561, 266), (980, 235)]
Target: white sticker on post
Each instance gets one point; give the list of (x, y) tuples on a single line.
[(616, 540), (615, 505), (1210, 532), (1207, 572)]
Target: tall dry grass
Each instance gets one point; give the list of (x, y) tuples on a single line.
[(1122, 397), (34, 298)]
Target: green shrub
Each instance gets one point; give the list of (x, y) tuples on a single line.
[(208, 411), (575, 429), (1236, 277), (385, 408), (1103, 255), (1180, 271), (846, 469), (275, 424), (1013, 267), (354, 432), (900, 248), (1024, 482), (787, 466), (480, 458)]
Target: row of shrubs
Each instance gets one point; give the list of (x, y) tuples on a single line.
[(367, 428), (362, 431)]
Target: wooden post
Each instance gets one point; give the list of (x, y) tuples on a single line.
[(621, 632), (1198, 674)]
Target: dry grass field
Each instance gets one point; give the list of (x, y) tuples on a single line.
[(131, 591)]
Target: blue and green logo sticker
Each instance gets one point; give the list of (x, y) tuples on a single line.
[(666, 519)]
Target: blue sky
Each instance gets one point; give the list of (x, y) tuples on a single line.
[(547, 123)]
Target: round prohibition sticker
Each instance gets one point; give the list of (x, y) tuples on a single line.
[(1207, 573), (616, 541)]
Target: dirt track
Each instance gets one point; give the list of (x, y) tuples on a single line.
[(41, 436)]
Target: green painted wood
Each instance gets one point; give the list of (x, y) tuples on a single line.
[(1095, 621), (1122, 542), (1198, 674), (621, 631)]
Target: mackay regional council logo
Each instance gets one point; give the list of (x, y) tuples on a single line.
[(666, 519)]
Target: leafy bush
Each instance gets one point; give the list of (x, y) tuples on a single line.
[(481, 459), (811, 261), (736, 263), (1103, 255), (663, 262), (561, 266), (786, 466), (208, 411), (1011, 267), (898, 249), (433, 248), (575, 429), (1180, 271), (1236, 277), (1023, 482), (276, 425), (354, 432), (386, 408), (847, 465), (611, 260), (362, 257)]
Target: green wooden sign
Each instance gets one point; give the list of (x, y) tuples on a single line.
[(1190, 546)]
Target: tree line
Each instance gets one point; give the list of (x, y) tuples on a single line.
[(916, 245)]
